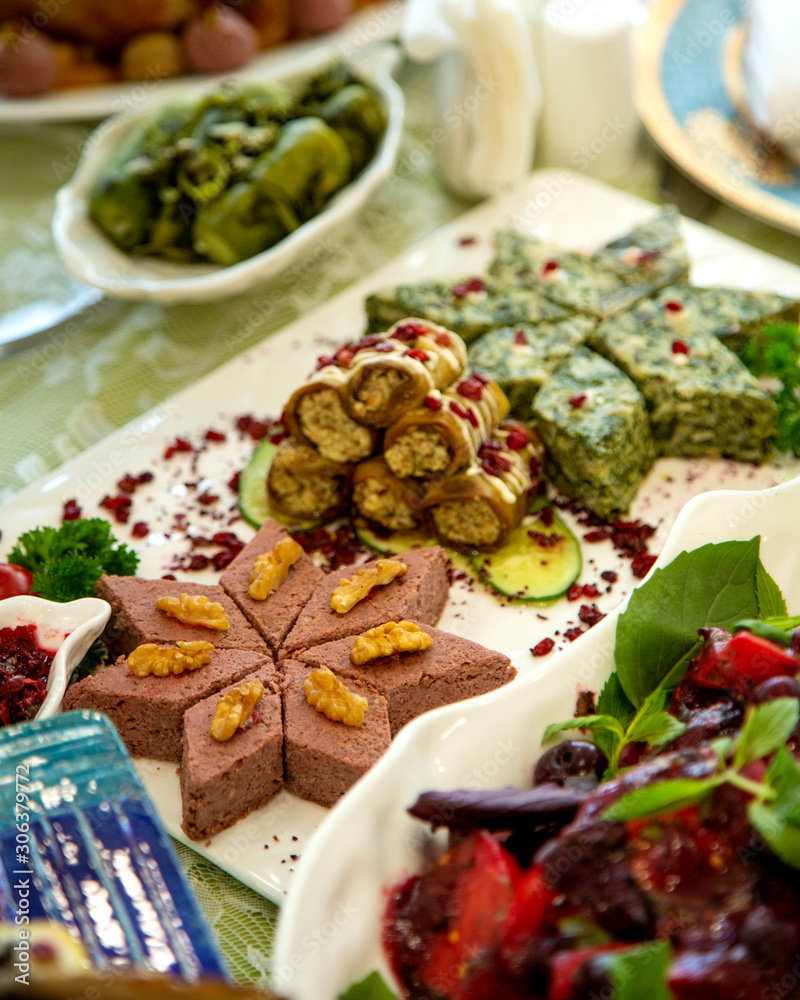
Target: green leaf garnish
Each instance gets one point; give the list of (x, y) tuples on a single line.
[(641, 971), (372, 987), (766, 728), (67, 562), (652, 724), (713, 586), (593, 722), (771, 603), (613, 701), (656, 800)]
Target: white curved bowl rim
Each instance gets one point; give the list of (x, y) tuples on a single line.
[(74, 626), (329, 930), (92, 258)]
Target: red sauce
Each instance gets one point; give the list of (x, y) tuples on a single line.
[(24, 669)]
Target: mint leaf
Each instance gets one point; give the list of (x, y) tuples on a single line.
[(784, 776), (653, 800), (641, 972), (372, 987), (771, 603), (593, 722), (782, 835), (656, 729), (766, 728), (613, 701), (714, 585)]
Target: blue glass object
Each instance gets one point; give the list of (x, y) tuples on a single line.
[(79, 835)]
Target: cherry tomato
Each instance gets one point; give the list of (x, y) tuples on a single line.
[(14, 580)]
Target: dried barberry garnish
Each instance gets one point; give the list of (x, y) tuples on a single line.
[(609, 576), (119, 506), (543, 647), (417, 354), (178, 445), (409, 330), (590, 614), (71, 511), (680, 347), (673, 306), (443, 340), (140, 530), (573, 633), (253, 428), (470, 388), (214, 436), (433, 403), (574, 592), (520, 337), (642, 565), (197, 562), (546, 516), (545, 541), (576, 402), (590, 590), (207, 498), (233, 482)]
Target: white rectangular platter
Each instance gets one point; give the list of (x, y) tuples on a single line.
[(263, 849)]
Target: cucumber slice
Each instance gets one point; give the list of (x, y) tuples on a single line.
[(527, 571), (394, 544), (401, 541), (253, 501)]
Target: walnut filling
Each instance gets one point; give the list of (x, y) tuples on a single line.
[(304, 495), (466, 522), (377, 501), (376, 390), (323, 420), (418, 452)]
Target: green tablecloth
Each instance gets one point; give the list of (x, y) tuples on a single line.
[(122, 359)]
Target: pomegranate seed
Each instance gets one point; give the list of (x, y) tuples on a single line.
[(517, 438), (455, 408), (463, 288), (433, 403), (324, 361), (443, 340), (680, 347), (470, 388), (409, 330), (212, 435), (472, 418), (145, 477), (417, 354), (590, 590), (344, 356), (549, 267), (576, 402), (574, 592), (491, 444), (573, 633), (544, 647), (520, 337), (673, 306), (71, 512), (140, 530)]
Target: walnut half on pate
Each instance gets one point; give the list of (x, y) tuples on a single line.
[(235, 708), (325, 692), (163, 661), (355, 588), (195, 610), (384, 640)]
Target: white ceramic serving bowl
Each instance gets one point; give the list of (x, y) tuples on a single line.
[(329, 930), (92, 258), (69, 629)]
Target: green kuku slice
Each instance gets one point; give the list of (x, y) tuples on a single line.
[(522, 358), (452, 305), (701, 399), (594, 422)]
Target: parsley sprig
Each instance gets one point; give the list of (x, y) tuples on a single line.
[(67, 562), (774, 355)]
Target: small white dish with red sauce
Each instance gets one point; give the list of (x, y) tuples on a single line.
[(66, 631)]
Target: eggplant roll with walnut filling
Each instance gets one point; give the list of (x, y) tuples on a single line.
[(443, 436), (381, 497), (480, 507), (316, 415), (399, 370), (302, 484)]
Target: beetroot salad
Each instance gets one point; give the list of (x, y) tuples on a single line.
[(656, 857), (24, 670)]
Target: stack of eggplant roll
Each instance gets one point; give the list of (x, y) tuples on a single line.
[(396, 426)]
